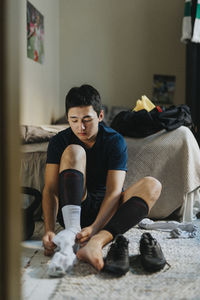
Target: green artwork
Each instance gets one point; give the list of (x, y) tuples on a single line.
[(35, 34)]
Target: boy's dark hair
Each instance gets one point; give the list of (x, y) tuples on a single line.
[(84, 95)]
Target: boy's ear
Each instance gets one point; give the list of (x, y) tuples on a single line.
[(101, 115)]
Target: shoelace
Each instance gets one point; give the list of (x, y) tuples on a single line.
[(151, 248), (117, 249)]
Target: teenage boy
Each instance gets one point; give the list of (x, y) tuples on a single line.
[(84, 177)]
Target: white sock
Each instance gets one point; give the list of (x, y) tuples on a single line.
[(166, 225), (61, 263), (63, 260), (178, 233), (71, 217)]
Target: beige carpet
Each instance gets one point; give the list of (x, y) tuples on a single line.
[(180, 281)]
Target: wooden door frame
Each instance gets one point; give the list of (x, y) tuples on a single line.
[(10, 217)]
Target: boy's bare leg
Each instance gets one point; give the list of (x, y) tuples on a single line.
[(148, 189), (92, 251)]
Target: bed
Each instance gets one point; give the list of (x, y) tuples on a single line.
[(34, 145), (171, 157), (174, 159)]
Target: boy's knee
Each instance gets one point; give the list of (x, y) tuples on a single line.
[(73, 154), (152, 184), (153, 188)]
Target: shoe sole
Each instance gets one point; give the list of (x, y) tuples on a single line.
[(114, 270), (152, 268)]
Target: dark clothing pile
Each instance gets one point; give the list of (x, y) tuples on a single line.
[(143, 123)]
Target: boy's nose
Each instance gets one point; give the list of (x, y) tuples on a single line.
[(82, 126)]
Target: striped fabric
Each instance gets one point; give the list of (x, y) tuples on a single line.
[(187, 23), (196, 32)]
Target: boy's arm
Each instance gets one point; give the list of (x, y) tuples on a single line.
[(110, 204), (50, 206), (114, 184)]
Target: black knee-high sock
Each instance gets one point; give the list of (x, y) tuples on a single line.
[(71, 184), (128, 215)]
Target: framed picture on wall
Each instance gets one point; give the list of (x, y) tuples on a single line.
[(163, 89), (35, 34)]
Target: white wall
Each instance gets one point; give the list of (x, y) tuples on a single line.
[(40, 82), (114, 45), (118, 45)]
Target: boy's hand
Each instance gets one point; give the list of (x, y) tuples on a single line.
[(85, 234), (49, 246)]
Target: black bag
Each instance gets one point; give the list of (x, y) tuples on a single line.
[(28, 213), (174, 117), (143, 123)]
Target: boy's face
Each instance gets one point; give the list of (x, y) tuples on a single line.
[(84, 121)]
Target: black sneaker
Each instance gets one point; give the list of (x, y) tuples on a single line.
[(117, 259), (152, 257)]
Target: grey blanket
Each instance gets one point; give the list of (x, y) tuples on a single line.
[(171, 157)]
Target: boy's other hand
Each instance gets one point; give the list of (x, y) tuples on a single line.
[(49, 246)]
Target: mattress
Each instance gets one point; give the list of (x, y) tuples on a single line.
[(37, 147), (33, 156)]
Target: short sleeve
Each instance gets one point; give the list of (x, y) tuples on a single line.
[(118, 154), (54, 151)]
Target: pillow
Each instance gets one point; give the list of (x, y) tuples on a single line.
[(34, 134)]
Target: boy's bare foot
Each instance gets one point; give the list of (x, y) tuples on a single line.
[(92, 251)]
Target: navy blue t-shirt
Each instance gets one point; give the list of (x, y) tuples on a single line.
[(108, 153)]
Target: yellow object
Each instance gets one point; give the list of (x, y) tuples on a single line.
[(145, 103)]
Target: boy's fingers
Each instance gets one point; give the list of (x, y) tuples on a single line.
[(84, 239), (50, 246), (78, 236), (48, 252), (82, 234), (83, 244)]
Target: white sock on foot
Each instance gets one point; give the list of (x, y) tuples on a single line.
[(71, 217), (64, 259)]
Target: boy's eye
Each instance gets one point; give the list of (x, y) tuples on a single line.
[(87, 120)]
